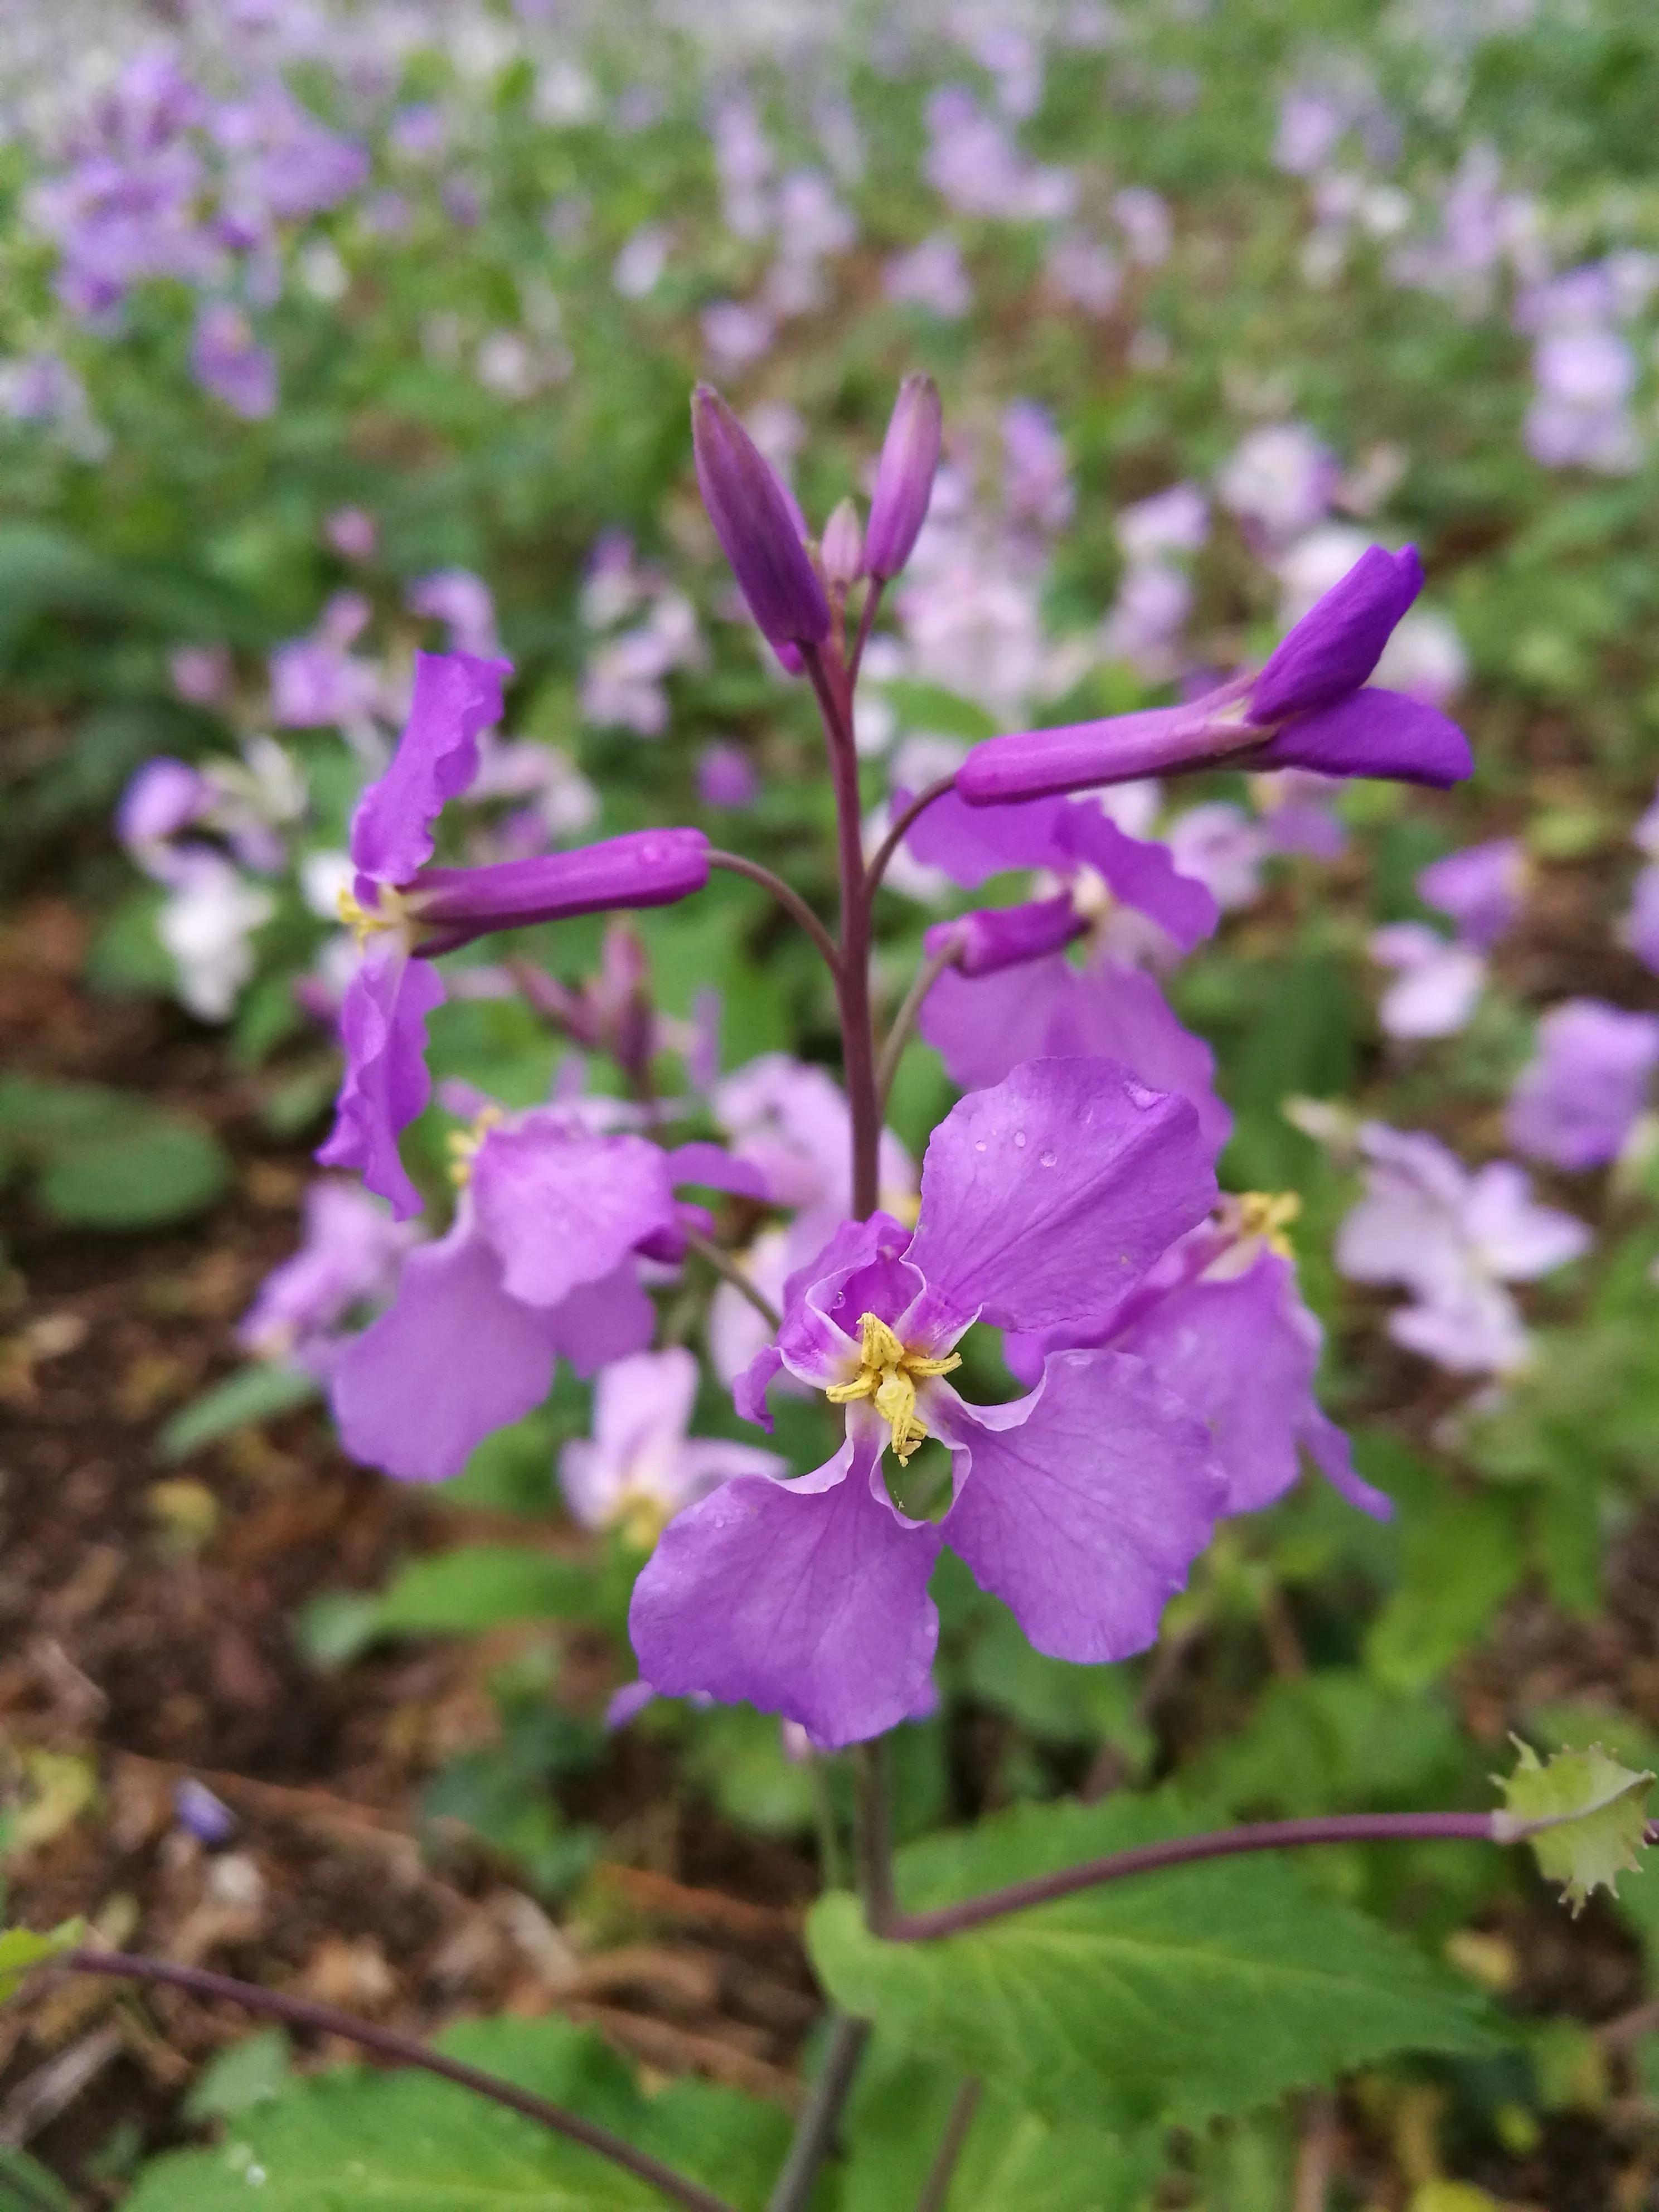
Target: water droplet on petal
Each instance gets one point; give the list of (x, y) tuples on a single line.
[(1019, 1140), (979, 1143), (1047, 1160)]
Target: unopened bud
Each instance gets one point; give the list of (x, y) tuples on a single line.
[(753, 520), (904, 477), (842, 547)]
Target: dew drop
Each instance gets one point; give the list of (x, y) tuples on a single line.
[(1019, 1140), (256, 2176), (979, 1143), (1047, 1160)]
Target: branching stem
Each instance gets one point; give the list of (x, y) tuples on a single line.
[(928, 974), (815, 2131), (737, 864), (723, 1265), (896, 835), (400, 2050)]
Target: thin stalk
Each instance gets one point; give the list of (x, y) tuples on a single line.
[(853, 975), (401, 2050), (735, 864), (1185, 1850), (905, 1020), (815, 2131), (941, 2173), (725, 1266), (832, 1861), (896, 835), (872, 592), (873, 1836)]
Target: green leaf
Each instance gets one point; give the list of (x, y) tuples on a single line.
[(26, 2186), (21, 1950), (259, 1393), (480, 1586), (1460, 1559), (355, 2140), (1601, 1807), (252, 2072), (163, 1168), (1204, 1990), (931, 707)]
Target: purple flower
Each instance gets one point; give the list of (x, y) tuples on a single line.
[(464, 604), (1438, 982), (1038, 477), (1579, 1097), (353, 533), (163, 797), (539, 1265), (1279, 481), (1310, 707), (227, 360), (349, 1256), (1082, 1505), (904, 477), (406, 912), (1221, 1322), (1481, 889), (758, 525), (1453, 1239), (931, 275), (726, 780), (202, 1814), (639, 1466), (200, 673)]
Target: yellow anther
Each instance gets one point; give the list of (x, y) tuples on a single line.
[(1092, 896), (887, 1375), (1269, 1214), (641, 1519), (463, 1144), (389, 911)]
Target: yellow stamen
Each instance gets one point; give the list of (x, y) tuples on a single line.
[(641, 1518), (887, 1375), (389, 911), (463, 1145), (1269, 1214)]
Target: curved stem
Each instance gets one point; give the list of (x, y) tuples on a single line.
[(724, 1265), (815, 2131), (735, 864), (910, 1006), (872, 591), (402, 2050), (900, 1927), (941, 2173), (895, 837)]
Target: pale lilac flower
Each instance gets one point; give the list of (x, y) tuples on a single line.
[(1438, 981), (641, 1467), (736, 336), (1454, 1240), (1082, 1506), (466, 606), (162, 798), (200, 673), (1310, 706), (931, 275), (1173, 521), (1148, 228), (1309, 125), (1218, 844), (1084, 272), (1580, 418), (1577, 1099), (1482, 889), (206, 923), (744, 158), (640, 265), (1279, 481), (974, 164), (725, 779), (228, 360), (1038, 485), (349, 1256), (352, 532), (316, 681)]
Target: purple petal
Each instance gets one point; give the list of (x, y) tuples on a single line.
[(563, 1209), (452, 1359), (1002, 937), (1084, 1505), (1578, 1097), (985, 1027), (603, 1322), (1078, 756), (643, 868), (968, 843), (759, 534), (1481, 889), (1044, 1199), (456, 695), (749, 1391), (1141, 872), (904, 477), (1373, 733), (383, 1035), (715, 1169), (806, 1598), (1338, 642)]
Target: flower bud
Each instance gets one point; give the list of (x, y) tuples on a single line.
[(641, 868), (842, 547), (752, 518), (904, 477)]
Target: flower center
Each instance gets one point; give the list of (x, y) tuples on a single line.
[(389, 911), (1269, 1214), (464, 1145), (887, 1375)]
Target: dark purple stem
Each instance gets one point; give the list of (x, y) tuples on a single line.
[(735, 864), (900, 1927), (941, 2174), (401, 2050), (895, 837)]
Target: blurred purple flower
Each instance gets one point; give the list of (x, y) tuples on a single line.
[(464, 604), (641, 1467), (1482, 889), (1579, 1097), (931, 275), (726, 781), (1439, 981), (350, 1254), (352, 532), (227, 360)]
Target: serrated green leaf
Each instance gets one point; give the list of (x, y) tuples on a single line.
[(1601, 1807), (480, 1586), (254, 1393), (22, 1949), (1202, 1990), (355, 2140)]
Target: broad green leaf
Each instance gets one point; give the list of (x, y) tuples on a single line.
[(1328, 1740), (259, 1393), (162, 1169), (479, 1586), (1204, 1990), (1601, 1807), (1461, 1560), (354, 2140)]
